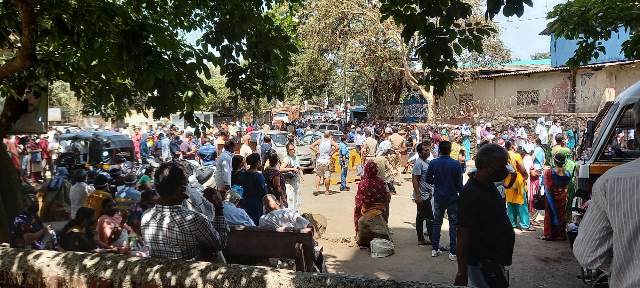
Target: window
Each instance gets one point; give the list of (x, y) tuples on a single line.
[(621, 142), (528, 98), (465, 98)]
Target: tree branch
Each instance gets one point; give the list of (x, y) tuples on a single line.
[(27, 53)]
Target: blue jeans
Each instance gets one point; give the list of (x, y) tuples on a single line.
[(475, 278), (452, 211), (343, 177)]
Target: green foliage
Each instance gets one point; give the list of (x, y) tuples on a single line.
[(132, 54), (592, 21), (509, 7), (540, 56), (441, 32)]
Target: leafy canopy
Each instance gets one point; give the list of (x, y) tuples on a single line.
[(133, 54), (591, 21)]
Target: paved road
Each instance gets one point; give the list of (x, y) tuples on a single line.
[(537, 263)]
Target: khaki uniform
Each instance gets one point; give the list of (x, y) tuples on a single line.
[(371, 145)]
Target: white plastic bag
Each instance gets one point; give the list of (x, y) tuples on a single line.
[(381, 248)]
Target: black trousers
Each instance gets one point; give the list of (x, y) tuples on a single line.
[(424, 213)]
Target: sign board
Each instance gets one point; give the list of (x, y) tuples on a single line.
[(34, 121), (54, 114)]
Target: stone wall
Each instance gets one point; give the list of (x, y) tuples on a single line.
[(32, 268)]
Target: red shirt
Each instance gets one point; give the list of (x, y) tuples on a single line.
[(44, 146)]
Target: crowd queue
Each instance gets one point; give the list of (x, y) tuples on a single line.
[(519, 170)]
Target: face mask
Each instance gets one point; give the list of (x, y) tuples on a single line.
[(501, 174)]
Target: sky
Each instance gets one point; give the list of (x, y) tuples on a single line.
[(521, 35)]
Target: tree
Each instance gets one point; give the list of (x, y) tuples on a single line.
[(347, 35), (540, 56), (122, 55), (592, 21)]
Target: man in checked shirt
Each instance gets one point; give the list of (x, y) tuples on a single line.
[(175, 232)]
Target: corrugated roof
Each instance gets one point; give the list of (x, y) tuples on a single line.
[(543, 70)]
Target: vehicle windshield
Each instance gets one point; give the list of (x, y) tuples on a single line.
[(281, 114), (279, 139), (599, 129), (308, 139)]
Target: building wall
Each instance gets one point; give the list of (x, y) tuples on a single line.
[(562, 49), (517, 93)]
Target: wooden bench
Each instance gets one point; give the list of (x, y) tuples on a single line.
[(254, 242)]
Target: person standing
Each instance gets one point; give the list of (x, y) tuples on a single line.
[(136, 137), (224, 167), (466, 140), (343, 155), (207, 153), (35, 152), (515, 191), (46, 156), (292, 176), (188, 147), (245, 149), (556, 181), (324, 148), (79, 191), (370, 146), (485, 237), (422, 193), (608, 229), (445, 174), (542, 132), (275, 180), (165, 147), (254, 186)]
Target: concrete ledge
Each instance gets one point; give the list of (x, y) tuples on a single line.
[(32, 268)]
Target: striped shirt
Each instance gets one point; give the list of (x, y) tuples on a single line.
[(610, 227)]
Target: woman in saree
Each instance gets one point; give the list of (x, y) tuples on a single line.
[(556, 181), (371, 200)]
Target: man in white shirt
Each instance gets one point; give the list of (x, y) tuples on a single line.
[(386, 143), (79, 191), (609, 230), (245, 149), (542, 132), (223, 167), (555, 130)]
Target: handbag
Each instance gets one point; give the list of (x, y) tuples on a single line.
[(539, 201)]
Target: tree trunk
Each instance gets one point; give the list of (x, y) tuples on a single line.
[(10, 198), (29, 29), (426, 94)]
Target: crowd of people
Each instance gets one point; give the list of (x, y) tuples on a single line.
[(519, 170)]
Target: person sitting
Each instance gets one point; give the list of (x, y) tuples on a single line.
[(95, 198), (112, 235), (78, 234), (145, 182), (371, 200), (138, 246), (283, 219), (56, 203), (233, 214), (175, 232), (127, 194), (27, 230), (148, 199)]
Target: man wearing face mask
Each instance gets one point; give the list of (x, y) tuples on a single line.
[(175, 232), (609, 228), (485, 236)]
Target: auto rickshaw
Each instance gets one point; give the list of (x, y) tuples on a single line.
[(95, 149)]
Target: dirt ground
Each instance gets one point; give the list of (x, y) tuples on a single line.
[(536, 263)]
